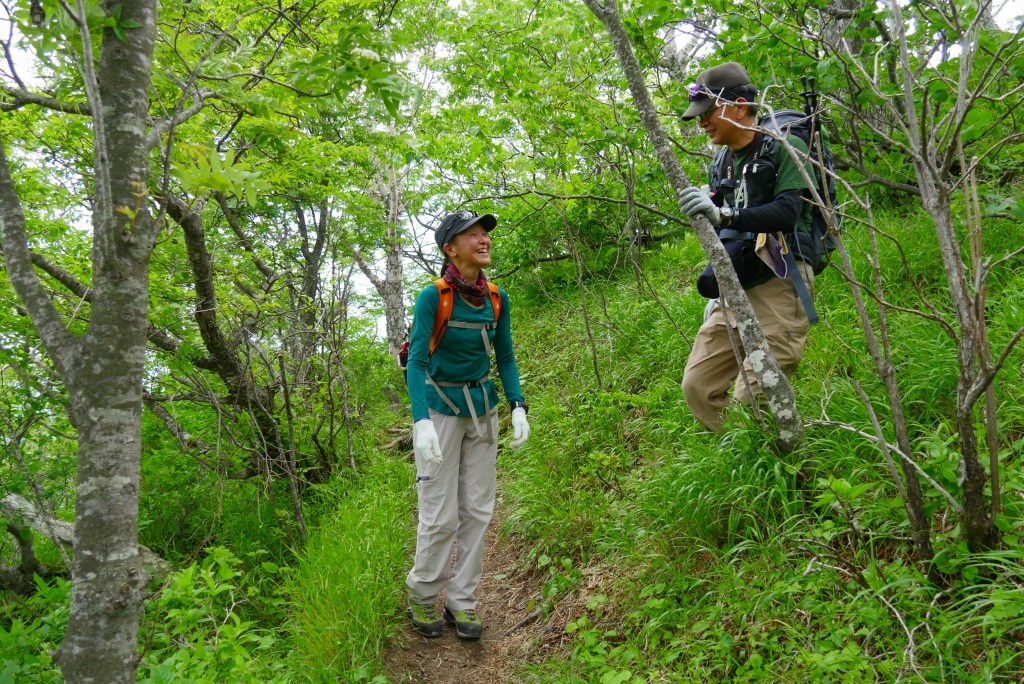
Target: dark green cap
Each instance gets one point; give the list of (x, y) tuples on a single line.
[(717, 82)]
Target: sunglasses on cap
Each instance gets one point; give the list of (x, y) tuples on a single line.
[(698, 92), (725, 96)]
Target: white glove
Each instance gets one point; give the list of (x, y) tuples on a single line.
[(693, 201), (520, 428), (710, 309), (424, 441)]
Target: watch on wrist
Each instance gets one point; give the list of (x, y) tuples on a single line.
[(519, 404), (727, 214)]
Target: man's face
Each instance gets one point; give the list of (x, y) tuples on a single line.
[(724, 122)]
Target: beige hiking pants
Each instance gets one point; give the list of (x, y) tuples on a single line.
[(456, 501), (712, 369)]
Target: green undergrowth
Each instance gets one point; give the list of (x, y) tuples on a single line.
[(675, 555), (723, 559), (192, 629), (248, 602), (348, 588)]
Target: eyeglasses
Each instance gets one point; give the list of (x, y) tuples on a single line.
[(704, 116)]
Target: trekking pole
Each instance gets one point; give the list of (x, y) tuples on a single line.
[(816, 142), (810, 101)]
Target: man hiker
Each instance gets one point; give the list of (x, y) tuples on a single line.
[(756, 192)]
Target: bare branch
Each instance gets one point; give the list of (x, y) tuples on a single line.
[(236, 228), (983, 379), (164, 126), (880, 439), (23, 97), (896, 450), (844, 164), (61, 532)]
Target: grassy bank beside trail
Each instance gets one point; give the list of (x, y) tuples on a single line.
[(348, 589), (716, 565)]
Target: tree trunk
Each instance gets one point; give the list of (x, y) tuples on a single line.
[(393, 290), (313, 259), (19, 578), (107, 577), (391, 286), (774, 384), (103, 370), (978, 527)]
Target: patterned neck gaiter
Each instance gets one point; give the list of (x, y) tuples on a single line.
[(474, 293)]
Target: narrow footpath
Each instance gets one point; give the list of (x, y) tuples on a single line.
[(514, 633)]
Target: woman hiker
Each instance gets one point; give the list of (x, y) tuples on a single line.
[(455, 422)]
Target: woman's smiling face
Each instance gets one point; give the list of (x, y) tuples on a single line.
[(471, 247)]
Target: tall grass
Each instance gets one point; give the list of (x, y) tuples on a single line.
[(347, 589), (720, 566)]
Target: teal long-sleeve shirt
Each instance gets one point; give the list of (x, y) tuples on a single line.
[(460, 357)]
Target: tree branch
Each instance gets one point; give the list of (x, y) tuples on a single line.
[(61, 532), (896, 450), (59, 343), (23, 97), (236, 228)]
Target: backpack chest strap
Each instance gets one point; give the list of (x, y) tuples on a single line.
[(484, 328)]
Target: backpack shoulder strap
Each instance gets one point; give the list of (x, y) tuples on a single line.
[(444, 312), (495, 299), (767, 145), (715, 173)]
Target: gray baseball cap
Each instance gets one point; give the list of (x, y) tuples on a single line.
[(458, 221), (720, 81)]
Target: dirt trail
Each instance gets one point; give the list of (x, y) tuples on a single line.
[(513, 631)]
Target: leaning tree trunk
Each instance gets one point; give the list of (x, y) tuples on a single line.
[(103, 369), (270, 457), (773, 382)]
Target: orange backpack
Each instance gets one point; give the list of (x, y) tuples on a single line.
[(444, 309)]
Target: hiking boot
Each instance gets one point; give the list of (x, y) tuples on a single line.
[(467, 623), (425, 620)]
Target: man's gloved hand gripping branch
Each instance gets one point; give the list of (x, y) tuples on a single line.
[(693, 201)]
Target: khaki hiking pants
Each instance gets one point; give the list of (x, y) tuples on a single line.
[(456, 501), (712, 370)]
